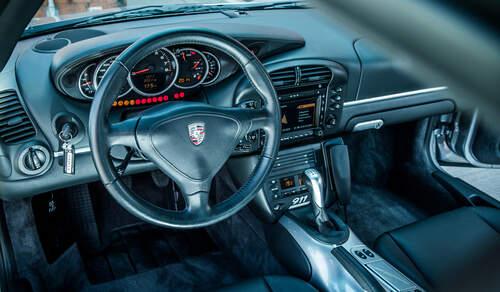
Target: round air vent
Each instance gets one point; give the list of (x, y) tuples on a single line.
[(34, 159), (51, 45)]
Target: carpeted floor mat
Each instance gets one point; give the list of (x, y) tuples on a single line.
[(374, 211), (140, 248)]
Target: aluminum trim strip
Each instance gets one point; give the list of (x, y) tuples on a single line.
[(393, 96)]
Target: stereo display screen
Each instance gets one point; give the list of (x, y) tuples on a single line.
[(297, 115)]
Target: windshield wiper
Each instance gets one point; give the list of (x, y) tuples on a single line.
[(171, 10), (166, 10), (157, 11)]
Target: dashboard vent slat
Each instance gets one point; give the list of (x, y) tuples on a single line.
[(15, 125), (310, 74), (284, 77), (301, 75)]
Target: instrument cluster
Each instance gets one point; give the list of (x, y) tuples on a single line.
[(165, 74)]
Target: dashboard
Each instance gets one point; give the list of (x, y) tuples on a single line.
[(329, 81)]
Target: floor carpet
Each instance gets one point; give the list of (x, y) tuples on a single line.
[(374, 211)]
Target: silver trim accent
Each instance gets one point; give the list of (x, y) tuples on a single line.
[(136, 90), (299, 205), (80, 82), (471, 134), (327, 273), (179, 68), (368, 125), (353, 243), (113, 58), (393, 96), (208, 66), (77, 151), (314, 185)]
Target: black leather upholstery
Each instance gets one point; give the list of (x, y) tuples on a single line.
[(271, 284), (454, 251)]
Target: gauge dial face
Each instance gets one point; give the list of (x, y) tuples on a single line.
[(86, 81), (101, 70), (213, 68), (193, 68), (155, 73)]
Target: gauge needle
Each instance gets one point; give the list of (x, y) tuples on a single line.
[(196, 64), (184, 56), (140, 71), (87, 83)]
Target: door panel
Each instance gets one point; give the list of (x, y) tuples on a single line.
[(468, 150)]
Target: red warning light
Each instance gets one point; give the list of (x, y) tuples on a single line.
[(155, 99), (160, 98), (181, 94), (143, 101), (176, 96), (149, 99)]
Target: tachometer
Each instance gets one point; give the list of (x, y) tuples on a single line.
[(102, 68), (213, 68), (155, 73), (193, 68), (86, 82)]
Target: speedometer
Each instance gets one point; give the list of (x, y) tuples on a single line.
[(193, 68), (101, 70), (155, 73)]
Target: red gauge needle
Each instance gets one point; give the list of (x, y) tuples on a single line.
[(87, 83), (196, 64), (184, 56), (210, 73), (140, 71)]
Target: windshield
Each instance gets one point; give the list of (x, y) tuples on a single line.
[(53, 11)]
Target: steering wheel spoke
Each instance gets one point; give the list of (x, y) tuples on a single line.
[(123, 133), (260, 119)]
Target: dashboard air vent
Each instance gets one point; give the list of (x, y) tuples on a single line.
[(314, 74), (15, 125), (284, 77)]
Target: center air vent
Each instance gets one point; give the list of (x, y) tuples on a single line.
[(314, 74), (301, 75), (284, 77), (15, 125)]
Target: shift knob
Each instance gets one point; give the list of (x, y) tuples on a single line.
[(315, 186)]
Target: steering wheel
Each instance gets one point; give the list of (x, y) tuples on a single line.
[(161, 134)]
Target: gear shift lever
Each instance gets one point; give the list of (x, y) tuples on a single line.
[(315, 186)]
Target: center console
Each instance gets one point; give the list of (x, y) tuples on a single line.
[(308, 175)]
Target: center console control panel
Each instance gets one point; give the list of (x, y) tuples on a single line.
[(285, 189)]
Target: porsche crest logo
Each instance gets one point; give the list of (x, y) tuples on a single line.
[(196, 133)]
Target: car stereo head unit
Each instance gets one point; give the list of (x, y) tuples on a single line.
[(301, 110)]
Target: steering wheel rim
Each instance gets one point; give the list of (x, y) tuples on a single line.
[(154, 128)]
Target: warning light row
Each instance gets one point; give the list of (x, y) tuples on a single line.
[(148, 100)]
